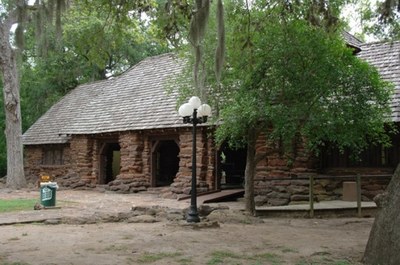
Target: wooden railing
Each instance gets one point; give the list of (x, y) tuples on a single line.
[(357, 179)]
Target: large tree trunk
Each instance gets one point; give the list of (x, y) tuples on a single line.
[(383, 245), (250, 172), (8, 67)]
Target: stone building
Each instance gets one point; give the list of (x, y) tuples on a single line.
[(125, 134)]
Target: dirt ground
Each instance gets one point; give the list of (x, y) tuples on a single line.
[(337, 241)]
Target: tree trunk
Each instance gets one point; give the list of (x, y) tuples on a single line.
[(384, 240), (250, 172), (8, 67)]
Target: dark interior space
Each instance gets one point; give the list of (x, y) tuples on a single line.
[(232, 167), (166, 162), (109, 162)]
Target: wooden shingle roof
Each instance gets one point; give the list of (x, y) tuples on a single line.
[(135, 100), (352, 41), (385, 56)]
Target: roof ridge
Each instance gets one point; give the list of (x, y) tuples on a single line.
[(380, 42), (145, 60)]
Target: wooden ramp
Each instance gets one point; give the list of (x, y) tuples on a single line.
[(219, 196)]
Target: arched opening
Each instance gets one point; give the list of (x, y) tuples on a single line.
[(110, 162), (165, 162), (232, 166)]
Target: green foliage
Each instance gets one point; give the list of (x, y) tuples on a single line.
[(99, 41), (107, 45), (294, 81), (171, 20), (382, 20)]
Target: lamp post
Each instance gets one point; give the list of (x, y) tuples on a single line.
[(195, 113)]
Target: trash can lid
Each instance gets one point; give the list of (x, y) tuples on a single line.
[(52, 184)]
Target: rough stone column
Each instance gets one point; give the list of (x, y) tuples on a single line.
[(146, 158), (211, 160), (95, 162), (203, 153), (82, 157), (182, 181), (131, 177)]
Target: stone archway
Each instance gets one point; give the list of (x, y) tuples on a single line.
[(109, 162), (165, 162)]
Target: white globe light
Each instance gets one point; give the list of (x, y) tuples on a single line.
[(185, 110), (195, 102), (204, 110)]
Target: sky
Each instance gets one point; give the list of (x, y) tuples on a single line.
[(352, 15)]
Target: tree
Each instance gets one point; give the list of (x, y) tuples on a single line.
[(295, 82), (287, 71), (118, 39), (11, 14), (382, 21), (11, 45), (383, 243)]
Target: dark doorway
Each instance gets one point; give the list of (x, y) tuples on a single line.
[(110, 162), (165, 162), (232, 167)]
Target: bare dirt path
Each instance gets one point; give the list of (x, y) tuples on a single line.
[(276, 241)]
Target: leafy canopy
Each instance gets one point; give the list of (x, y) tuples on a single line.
[(294, 80)]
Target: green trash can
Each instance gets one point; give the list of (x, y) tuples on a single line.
[(48, 193)]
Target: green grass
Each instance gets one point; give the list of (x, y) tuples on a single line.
[(227, 257), (17, 205), (153, 257), (3, 261)]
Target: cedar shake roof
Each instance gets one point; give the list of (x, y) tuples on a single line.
[(385, 56), (135, 100), (352, 41)]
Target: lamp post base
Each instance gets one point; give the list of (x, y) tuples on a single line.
[(192, 215)]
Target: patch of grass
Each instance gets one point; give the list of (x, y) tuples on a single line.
[(153, 257), (314, 261), (14, 205), (287, 250), (219, 257), (90, 249), (128, 237), (184, 261), (3, 261), (227, 257), (274, 259), (13, 239), (116, 248), (341, 262)]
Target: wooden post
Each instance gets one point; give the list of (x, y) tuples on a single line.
[(311, 198), (358, 184)]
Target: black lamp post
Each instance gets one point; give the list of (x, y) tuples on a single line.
[(195, 113)]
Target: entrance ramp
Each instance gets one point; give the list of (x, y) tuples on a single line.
[(217, 196)]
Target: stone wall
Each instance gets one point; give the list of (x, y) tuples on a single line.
[(283, 180), (134, 173), (295, 191), (82, 158), (34, 167), (273, 184), (204, 162), (278, 180)]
